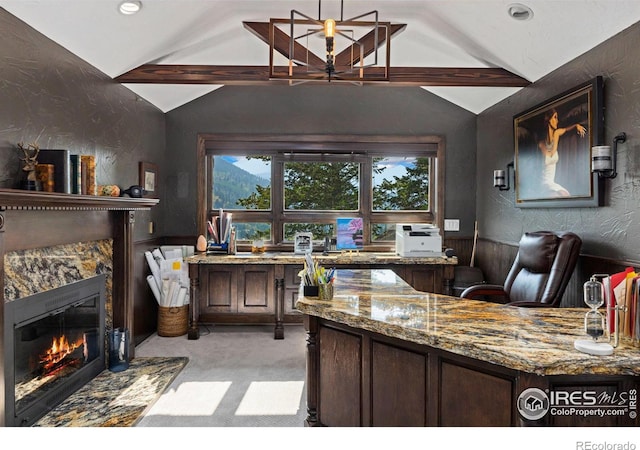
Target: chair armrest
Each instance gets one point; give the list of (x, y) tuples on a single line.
[(482, 291)]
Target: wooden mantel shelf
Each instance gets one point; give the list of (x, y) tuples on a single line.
[(16, 199)]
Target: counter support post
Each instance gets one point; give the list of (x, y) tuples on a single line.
[(278, 332), (194, 282), (311, 326)]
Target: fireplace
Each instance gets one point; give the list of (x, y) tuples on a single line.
[(54, 344)]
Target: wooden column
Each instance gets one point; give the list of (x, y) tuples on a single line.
[(123, 273), (2, 352), (194, 302)]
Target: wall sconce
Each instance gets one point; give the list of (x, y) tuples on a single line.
[(501, 179), (603, 160)]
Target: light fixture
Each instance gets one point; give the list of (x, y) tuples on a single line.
[(501, 179), (129, 7), (603, 160), (358, 40), (518, 11)]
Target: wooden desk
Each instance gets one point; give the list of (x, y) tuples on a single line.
[(382, 354), (263, 288)]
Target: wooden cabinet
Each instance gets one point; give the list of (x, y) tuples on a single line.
[(233, 291), (226, 289), (361, 378)]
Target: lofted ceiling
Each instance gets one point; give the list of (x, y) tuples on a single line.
[(438, 33)]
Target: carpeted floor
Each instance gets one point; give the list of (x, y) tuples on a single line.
[(237, 376), (116, 399)]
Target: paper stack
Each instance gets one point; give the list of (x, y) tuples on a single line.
[(623, 292), (169, 279)]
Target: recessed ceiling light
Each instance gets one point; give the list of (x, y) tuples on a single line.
[(518, 11), (129, 7)]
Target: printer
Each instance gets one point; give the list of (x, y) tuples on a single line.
[(418, 239)]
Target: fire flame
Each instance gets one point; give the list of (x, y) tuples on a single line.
[(60, 349)]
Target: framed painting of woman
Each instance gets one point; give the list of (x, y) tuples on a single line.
[(553, 143)]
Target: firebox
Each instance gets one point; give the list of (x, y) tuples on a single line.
[(54, 344)]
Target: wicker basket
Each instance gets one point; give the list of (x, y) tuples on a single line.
[(173, 321)]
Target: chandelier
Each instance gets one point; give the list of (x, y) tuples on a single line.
[(351, 48)]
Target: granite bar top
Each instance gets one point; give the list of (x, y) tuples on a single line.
[(341, 258), (533, 340)]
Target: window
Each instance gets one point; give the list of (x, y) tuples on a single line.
[(275, 188)]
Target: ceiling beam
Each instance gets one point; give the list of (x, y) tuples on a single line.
[(368, 41), (281, 43), (255, 75)]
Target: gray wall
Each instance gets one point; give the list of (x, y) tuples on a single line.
[(52, 97), (612, 231), (320, 109)]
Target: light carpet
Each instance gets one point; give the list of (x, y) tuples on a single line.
[(237, 376)]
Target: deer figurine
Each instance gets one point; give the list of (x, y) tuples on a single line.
[(30, 160)]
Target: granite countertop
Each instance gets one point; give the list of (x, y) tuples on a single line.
[(533, 340), (345, 257)]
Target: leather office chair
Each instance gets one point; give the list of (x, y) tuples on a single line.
[(540, 273)]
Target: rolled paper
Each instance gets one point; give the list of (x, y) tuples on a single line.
[(154, 287), (182, 295)]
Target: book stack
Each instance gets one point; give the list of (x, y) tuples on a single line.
[(220, 230), (88, 176), (59, 162), (45, 175), (76, 174)]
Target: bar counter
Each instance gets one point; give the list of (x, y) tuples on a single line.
[(480, 345)]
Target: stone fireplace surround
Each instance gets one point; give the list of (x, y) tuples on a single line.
[(50, 239)]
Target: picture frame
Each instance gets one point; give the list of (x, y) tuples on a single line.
[(148, 179), (553, 142), (303, 243), (349, 233)]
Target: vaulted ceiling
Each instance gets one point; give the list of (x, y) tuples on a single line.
[(439, 35)]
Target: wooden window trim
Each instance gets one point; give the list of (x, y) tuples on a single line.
[(386, 145)]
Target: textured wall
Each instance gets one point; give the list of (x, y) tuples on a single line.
[(320, 109), (51, 97), (611, 231)]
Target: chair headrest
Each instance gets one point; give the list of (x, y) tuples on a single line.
[(538, 250)]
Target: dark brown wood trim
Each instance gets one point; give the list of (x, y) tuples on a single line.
[(281, 42), (19, 199), (321, 143), (347, 57), (259, 75)]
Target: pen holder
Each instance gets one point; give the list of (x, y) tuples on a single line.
[(310, 291), (325, 291)]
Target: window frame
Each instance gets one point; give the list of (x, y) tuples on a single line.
[(315, 146)]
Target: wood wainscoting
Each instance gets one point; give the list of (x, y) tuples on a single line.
[(495, 259)]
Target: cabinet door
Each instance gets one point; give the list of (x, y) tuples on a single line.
[(256, 286), (424, 278), (398, 400), (291, 288), (218, 289)]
